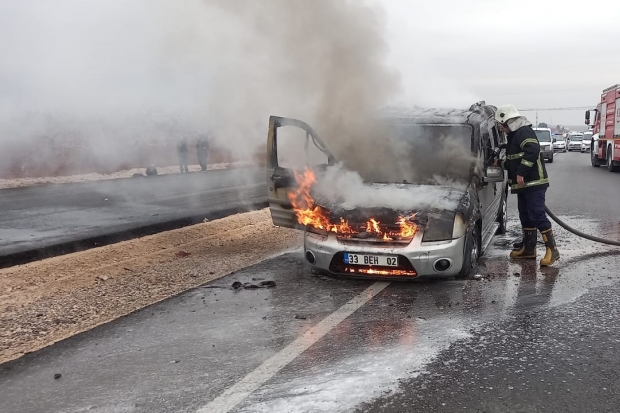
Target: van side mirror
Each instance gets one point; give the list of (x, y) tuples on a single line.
[(555, 140), (587, 117), (494, 174)]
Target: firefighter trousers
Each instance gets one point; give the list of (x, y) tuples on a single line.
[(532, 209)]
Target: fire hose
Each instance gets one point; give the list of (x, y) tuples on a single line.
[(579, 233)]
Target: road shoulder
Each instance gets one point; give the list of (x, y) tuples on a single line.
[(47, 301)]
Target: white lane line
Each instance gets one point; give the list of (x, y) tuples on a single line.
[(250, 383)]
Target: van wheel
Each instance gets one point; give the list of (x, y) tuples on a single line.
[(502, 215), (551, 159), (471, 253)]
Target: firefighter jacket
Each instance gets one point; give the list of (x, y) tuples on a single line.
[(523, 158)]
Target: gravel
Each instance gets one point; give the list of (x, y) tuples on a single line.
[(47, 301)]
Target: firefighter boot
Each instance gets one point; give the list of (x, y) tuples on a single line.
[(519, 244), (552, 254), (528, 249)]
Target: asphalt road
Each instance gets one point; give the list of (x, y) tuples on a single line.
[(520, 340), (41, 221)]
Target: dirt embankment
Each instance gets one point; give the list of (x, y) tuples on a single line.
[(127, 173), (47, 301)]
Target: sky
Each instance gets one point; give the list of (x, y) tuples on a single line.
[(532, 53), (116, 57)]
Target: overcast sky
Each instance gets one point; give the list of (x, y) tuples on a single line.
[(86, 56), (533, 53)]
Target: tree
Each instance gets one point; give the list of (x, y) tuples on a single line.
[(542, 125)]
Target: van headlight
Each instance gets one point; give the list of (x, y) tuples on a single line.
[(460, 226), (440, 226)]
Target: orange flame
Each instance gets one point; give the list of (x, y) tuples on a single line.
[(373, 226), (315, 216), (407, 229), (382, 271)]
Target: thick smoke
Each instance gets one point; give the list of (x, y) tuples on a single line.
[(221, 66), (329, 61), (122, 84), (324, 62)]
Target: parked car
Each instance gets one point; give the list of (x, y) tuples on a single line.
[(586, 142), (443, 239), (546, 143), (559, 145), (574, 142)]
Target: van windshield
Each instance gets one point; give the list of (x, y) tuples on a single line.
[(427, 153), (543, 135)]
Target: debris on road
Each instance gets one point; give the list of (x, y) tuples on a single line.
[(103, 277), (478, 277), (300, 317), (57, 376), (183, 254), (249, 286)]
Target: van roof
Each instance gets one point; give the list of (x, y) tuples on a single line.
[(475, 114)]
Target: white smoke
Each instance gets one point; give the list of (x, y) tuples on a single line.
[(348, 190), (85, 74)]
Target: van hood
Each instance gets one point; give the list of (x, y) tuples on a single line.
[(398, 197)]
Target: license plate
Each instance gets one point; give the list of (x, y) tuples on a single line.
[(363, 259)]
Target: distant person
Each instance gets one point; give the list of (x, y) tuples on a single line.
[(183, 153), (151, 170), (202, 148)]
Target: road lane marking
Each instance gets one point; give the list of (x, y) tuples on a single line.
[(250, 383)]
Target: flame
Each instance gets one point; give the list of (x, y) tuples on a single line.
[(373, 226), (407, 229), (382, 271), (315, 216)]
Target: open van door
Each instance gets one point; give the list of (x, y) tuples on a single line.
[(292, 145)]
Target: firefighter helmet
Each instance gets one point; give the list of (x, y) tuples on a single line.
[(506, 112)]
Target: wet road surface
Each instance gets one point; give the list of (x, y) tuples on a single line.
[(41, 221), (521, 339)]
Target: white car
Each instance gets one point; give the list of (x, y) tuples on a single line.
[(586, 142), (546, 143), (560, 144), (574, 142)]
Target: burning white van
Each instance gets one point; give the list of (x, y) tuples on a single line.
[(405, 229)]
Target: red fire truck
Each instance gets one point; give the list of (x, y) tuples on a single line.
[(605, 147)]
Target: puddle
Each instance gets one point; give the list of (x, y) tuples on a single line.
[(583, 265)]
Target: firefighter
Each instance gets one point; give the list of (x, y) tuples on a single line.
[(183, 156), (202, 147), (528, 179)]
